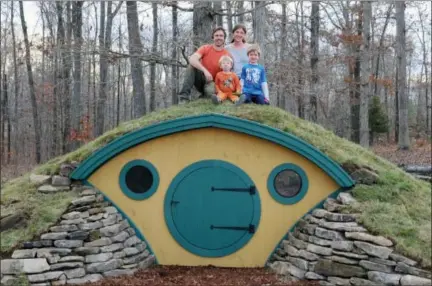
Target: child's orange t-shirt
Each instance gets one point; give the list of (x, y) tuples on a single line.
[(227, 82), (210, 58)]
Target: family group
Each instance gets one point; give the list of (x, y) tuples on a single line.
[(227, 72)]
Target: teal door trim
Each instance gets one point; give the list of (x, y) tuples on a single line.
[(120, 144), (181, 239)]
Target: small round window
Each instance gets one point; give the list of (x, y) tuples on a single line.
[(287, 183), (139, 179)]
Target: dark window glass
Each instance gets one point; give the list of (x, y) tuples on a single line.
[(139, 179), (287, 183)]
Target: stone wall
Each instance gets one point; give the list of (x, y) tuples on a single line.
[(91, 241), (334, 249)]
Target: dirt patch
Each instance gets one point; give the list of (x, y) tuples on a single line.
[(200, 276), (420, 153)]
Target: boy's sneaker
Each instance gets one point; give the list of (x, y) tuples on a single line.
[(215, 99), (241, 100)]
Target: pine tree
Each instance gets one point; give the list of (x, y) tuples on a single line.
[(378, 120)]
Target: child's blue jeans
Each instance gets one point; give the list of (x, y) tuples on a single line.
[(258, 99)]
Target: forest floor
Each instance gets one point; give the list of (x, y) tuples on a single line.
[(200, 276)]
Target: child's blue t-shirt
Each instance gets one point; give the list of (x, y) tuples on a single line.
[(253, 75)]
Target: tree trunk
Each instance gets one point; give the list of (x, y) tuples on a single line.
[(355, 86), (282, 52), (240, 10), (66, 80), (119, 75), (315, 18), (76, 95), (6, 116), (174, 69), (103, 74), (403, 142), (153, 64), (31, 86), (217, 7), (16, 83), (135, 50), (260, 28), (202, 23), (229, 16), (366, 72)]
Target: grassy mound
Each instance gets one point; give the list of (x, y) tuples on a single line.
[(398, 207)]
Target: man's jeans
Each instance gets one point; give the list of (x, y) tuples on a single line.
[(195, 77)]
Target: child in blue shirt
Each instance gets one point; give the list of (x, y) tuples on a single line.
[(253, 79)]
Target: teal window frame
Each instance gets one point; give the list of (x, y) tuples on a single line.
[(304, 184), (138, 196)]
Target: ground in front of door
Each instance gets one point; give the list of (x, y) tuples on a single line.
[(200, 276)]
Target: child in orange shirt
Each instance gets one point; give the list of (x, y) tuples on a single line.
[(227, 82)]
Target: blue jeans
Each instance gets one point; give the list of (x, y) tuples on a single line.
[(258, 99)]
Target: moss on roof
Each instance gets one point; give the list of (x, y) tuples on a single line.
[(398, 207)]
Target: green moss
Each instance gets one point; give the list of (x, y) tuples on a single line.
[(398, 207)]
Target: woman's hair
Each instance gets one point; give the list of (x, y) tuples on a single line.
[(225, 59), (236, 27), (253, 48)]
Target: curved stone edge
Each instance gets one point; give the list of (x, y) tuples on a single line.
[(333, 248), (92, 240)]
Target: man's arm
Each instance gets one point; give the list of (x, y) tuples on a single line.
[(194, 61)]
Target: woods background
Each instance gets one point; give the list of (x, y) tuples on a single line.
[(71, 70)]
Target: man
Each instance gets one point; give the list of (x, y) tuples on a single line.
[(203, 67)]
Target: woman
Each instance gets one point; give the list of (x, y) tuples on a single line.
[(238, 48)]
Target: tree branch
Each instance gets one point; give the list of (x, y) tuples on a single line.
[(148, 57)]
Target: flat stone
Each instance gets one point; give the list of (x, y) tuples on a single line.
[(409, 280), (62, 228), (346, 198), (37, 244), (337, 217), (131, 231), (72, 221), (364, 176), (122, 236), (136, 258), (131, 241), (343, 245), (44, 284), (112, 247), (29, 266), (319, 249), (343, 260), (84, 200), (111, 210), (101, 257), (382, 261), (109, 220), (339, 281), (331, 268), (104, 266), (95, 217), (342, 226), (54, 235), (379, 240), (75, 273), (363, 282), (313, 276), (94, 211), (60, 181), (87, 250), (90, 225), (39, 179), (375, 266), (46, 252), (332, 205), (119, 272), (289, 249), (149, 261), (129, 266), (88, 192), (307, 227), (325, 283), (53, 259), (301, 235), (68, 243), (99, 242), (307, 255), (286, 268), (401, 258), (47, 276), (114, 229), (119, 254), (319, 213), (405, 268), (80, 234), (67, 169), (328, 234), (66, 265), (311, 265), (9, 280), (72, 258), (300, 244), (24, 253), (350, 255), (385, 278), (129, 251), (311, 219), (85, 214), (371, 249), (316, 240), (48, 189), (300, 263), (91, 278)]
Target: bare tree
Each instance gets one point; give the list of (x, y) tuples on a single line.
[(403, 136), (202, 23), (260, 27), (153, 64), (315, 26), (31, 86), (217, 6), (16, 85), (174, 69), (229, 16)]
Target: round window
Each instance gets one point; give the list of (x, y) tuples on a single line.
[(287, 183), (139, 179)]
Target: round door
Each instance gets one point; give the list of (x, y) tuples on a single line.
[(212, 208)]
